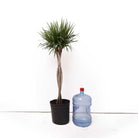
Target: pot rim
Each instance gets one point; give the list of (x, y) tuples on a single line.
[(65, 101)]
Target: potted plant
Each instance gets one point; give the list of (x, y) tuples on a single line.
[(56, 38)]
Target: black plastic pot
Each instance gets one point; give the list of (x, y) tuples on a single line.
[(60, 112)]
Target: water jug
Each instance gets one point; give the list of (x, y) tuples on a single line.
[(81, 109)]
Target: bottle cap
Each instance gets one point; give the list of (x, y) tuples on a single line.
[(82, 89)]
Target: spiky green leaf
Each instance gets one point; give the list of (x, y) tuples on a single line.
[(58, 36)]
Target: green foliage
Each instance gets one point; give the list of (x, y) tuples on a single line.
[(58, 36)]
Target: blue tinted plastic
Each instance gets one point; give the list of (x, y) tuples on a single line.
[(81, 110)]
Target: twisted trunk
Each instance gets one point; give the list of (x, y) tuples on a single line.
[(59, 75)]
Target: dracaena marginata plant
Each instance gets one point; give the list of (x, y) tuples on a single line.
[(56, 38)]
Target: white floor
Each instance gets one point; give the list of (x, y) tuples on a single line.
[(39, 125)]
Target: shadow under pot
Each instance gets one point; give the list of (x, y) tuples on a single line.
[(60, 112)]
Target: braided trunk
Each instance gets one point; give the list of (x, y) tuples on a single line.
[(59, 75)]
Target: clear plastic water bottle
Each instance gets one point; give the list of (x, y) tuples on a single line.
[(81, 109)]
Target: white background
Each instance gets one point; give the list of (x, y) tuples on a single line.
[(104, 60)]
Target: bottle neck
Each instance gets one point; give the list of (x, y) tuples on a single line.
[(81, 92)]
